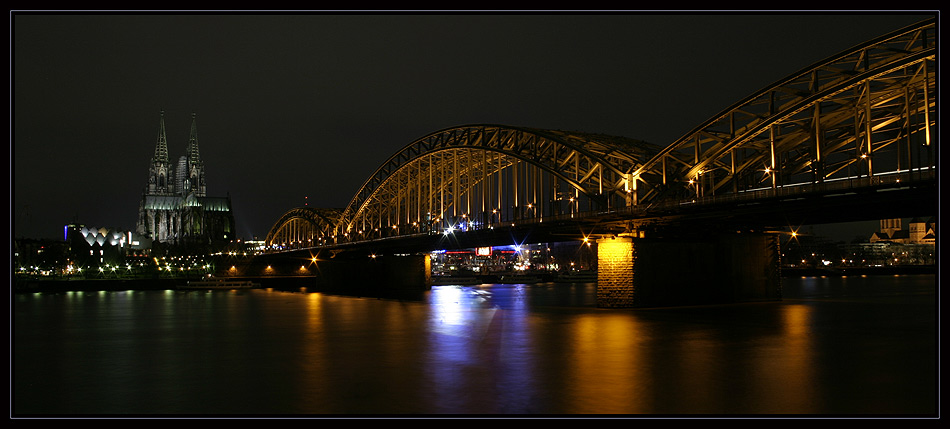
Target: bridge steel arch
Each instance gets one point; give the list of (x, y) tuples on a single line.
[(865, 113), (478, 176), (302, 227)]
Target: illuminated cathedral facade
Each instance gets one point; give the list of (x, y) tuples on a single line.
[(175, 208)]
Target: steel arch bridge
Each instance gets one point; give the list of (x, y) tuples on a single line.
[(481, 176), (868, 113), (302, 227), (861, 113)]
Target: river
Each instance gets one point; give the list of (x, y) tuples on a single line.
[(832, 347)]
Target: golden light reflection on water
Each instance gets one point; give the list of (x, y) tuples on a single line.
[(615, 362), (477, 350), (797, 372), (606, 366), (623, 364)]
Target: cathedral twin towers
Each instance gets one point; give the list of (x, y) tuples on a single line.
[(175, 208)]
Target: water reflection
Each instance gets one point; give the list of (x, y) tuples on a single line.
[(841, 346)]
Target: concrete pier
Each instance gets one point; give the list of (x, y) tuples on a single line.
[(345, 274), (718, 268), (379, 275)]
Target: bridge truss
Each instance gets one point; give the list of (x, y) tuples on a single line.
[(482, 176), (867, 112), (866, 115), (302, 227)]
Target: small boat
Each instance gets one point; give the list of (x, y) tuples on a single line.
[(454, 280), (518, 279), (577, 277), (219, 284)]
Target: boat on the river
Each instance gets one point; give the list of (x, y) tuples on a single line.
[(519, 279), (577, 277), (219, 284), (454, 280)]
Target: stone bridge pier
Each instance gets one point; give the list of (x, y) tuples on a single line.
[(375, 275), (688, 270), (348, 273)]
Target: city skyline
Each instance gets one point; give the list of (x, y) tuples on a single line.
[(298, 109)]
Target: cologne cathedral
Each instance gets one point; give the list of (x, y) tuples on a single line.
[(175, 208)]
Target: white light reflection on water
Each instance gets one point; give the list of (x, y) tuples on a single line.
[(845, 346), (480, 350)]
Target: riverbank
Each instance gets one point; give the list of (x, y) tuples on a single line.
[(87, 285), (859, 271), (93, 285)]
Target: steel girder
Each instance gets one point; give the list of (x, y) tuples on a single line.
[(866, 111), (302, 227), (481, 175)]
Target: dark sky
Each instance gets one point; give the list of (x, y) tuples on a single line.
[(308, 105)]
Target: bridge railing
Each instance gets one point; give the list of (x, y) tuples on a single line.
[(895, 180), (891, 179)]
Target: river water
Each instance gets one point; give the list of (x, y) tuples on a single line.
[(833, 347)]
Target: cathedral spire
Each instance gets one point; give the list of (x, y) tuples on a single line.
[(193, 140), (161, 145), (193, 167), (159, 172)]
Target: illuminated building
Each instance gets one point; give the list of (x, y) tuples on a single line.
[(919, 232), (175, 208), (91, 246)]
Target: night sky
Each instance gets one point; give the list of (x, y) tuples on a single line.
[(301, 108)]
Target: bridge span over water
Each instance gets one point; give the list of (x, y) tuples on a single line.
[(853, 137)]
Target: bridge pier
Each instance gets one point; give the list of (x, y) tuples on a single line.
[(687, 270), (375, 275), (349, 274)]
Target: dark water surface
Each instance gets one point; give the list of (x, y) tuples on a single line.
[(856, 346)]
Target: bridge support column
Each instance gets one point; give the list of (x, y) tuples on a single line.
[(383, 275), (708, 269), (616, 261)]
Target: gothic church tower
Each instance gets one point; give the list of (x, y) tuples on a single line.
[(160, 172), (191, 169), (175, 207)]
